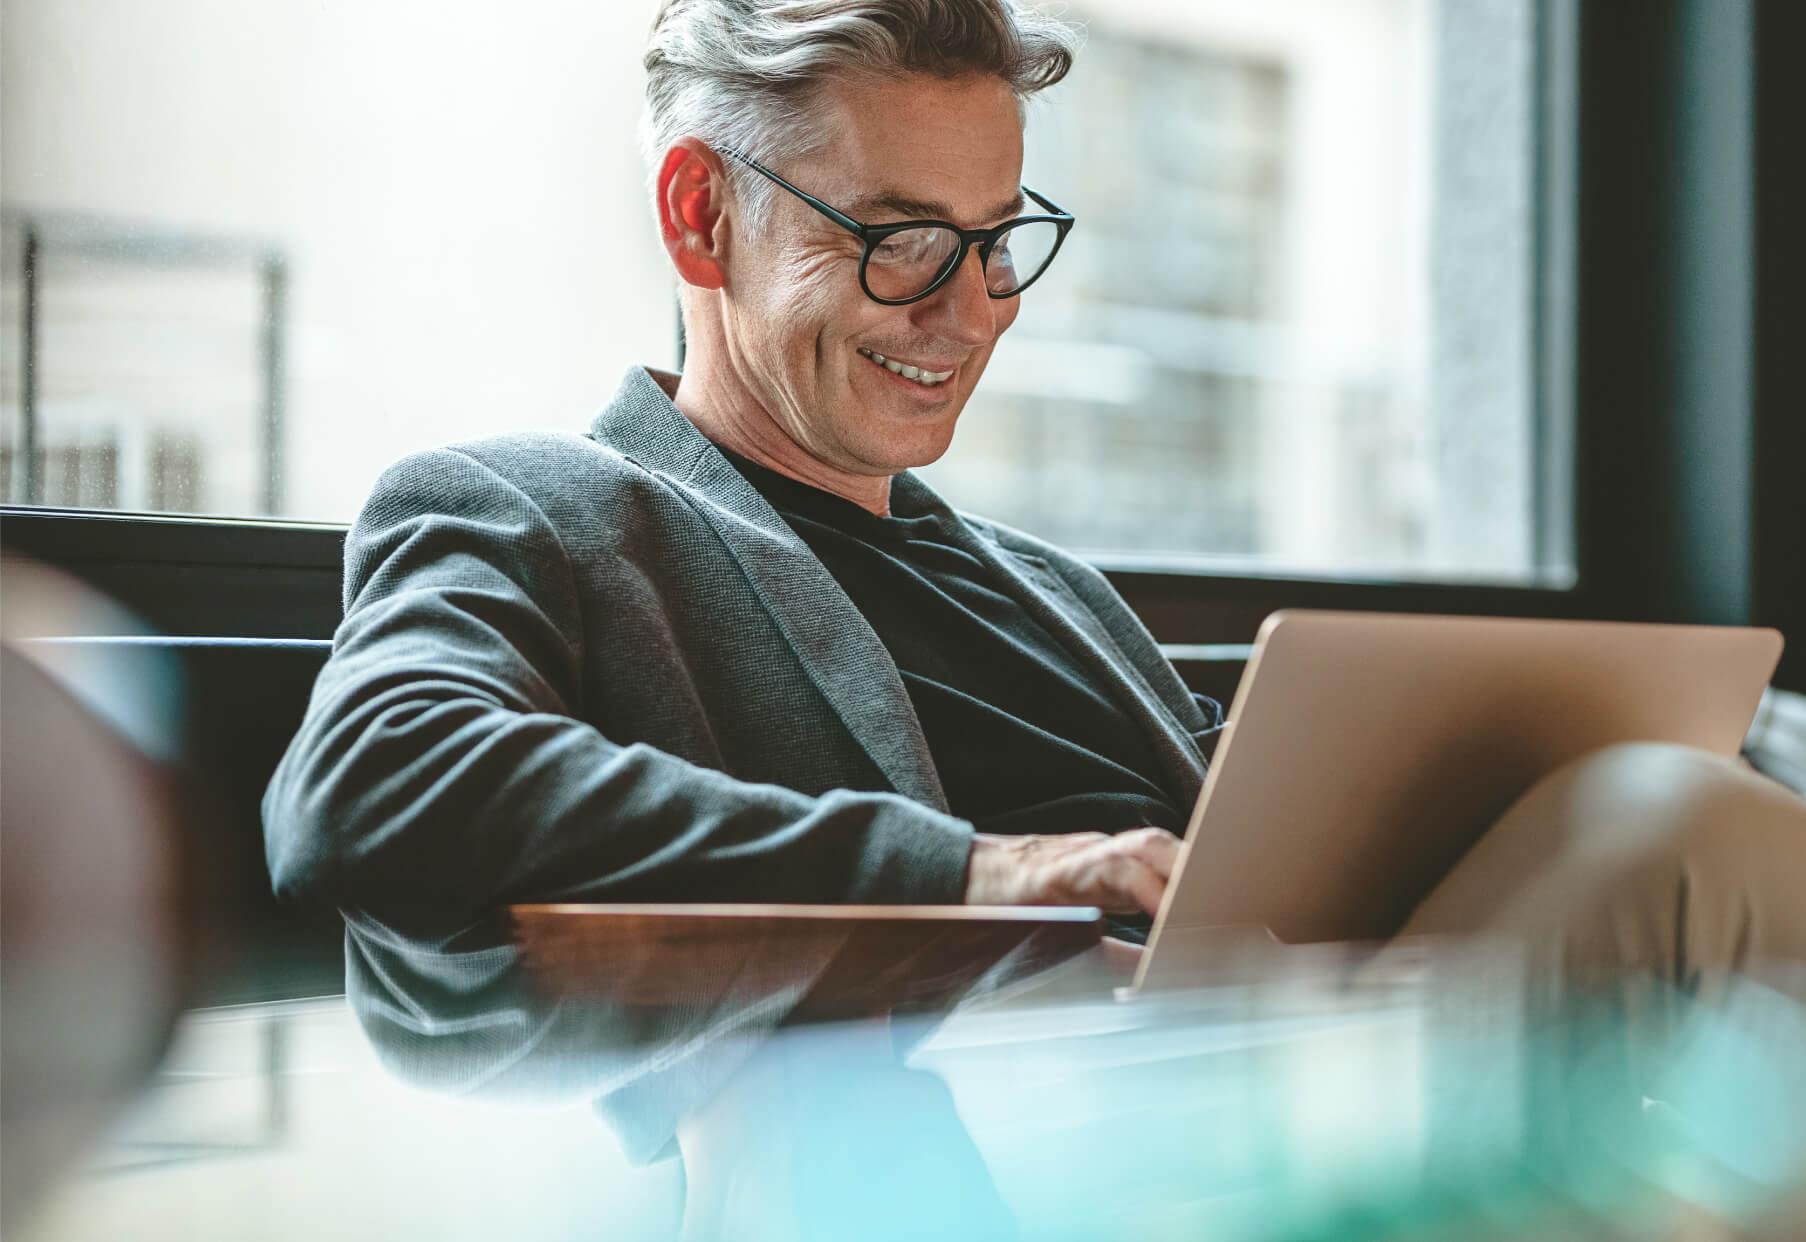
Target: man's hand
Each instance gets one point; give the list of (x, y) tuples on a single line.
[(1120, 874)]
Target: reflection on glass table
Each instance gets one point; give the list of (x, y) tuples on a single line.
[(1305, 1094)]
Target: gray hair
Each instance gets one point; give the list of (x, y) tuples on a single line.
[(746, 74)]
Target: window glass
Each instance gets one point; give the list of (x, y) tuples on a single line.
[(272, 247)]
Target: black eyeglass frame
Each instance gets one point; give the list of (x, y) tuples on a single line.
[(984, 239)]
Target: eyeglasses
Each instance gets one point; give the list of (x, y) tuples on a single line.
[(907, 261)]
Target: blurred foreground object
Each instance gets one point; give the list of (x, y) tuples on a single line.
[(97, 947), (1325, 1093)]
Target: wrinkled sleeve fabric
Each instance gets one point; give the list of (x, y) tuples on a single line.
[(445, 766)]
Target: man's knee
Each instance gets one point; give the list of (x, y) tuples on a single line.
[(1626, 827), (1653, 800)]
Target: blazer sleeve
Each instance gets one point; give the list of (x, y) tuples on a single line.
[(443, 769)]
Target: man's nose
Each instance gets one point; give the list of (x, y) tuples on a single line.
[(962, 309)]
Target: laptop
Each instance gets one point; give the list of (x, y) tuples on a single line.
[(1367, 752)]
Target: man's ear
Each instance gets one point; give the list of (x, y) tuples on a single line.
[(692, 190)]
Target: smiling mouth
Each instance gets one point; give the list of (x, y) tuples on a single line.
[(916, 375)]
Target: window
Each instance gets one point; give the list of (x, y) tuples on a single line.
[(1293, 326), (157, 377), (272, 247)]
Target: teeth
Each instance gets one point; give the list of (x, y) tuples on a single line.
[(928, 379)]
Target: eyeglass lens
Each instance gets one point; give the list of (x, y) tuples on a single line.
[(904, 264)]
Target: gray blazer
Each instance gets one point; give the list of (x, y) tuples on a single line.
[(602, 668)]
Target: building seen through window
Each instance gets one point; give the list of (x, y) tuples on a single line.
[(273, 247), (156, 383)]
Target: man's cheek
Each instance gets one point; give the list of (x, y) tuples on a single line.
[(814, 314), (808, 279), (817, 303)]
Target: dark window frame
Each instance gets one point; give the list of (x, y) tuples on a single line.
[(1662, 427)]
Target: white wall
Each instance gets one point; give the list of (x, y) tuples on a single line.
[(456, 185)]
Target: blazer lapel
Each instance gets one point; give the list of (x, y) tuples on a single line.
[(839, 650)]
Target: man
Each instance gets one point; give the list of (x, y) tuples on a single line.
[(726, 647), (610, 669)]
